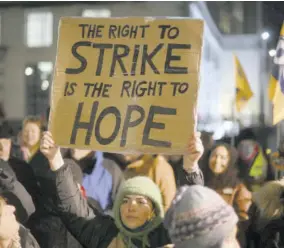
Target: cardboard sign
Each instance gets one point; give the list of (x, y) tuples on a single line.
[(126, 84)]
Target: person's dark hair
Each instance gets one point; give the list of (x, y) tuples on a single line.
[(6, 131), (34, 119), (229, 178), (76, 170), (207, 139), (246, 134)]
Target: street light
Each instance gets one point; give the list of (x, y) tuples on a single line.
[(44, 85), (272, 52), (265, 35), (29, 71)]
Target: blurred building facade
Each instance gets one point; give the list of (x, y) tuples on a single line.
[(29, 36), (231, 28)]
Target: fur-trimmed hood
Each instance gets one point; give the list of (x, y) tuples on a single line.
[(269, 200)]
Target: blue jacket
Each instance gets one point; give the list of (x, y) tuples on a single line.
[(103, 182)]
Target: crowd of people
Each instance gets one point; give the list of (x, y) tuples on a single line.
[(216, 196)]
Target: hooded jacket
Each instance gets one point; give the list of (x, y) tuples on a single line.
[(15, 193), (46, 224), (266, 228), (103, 182), (94, 231), (102, 178)]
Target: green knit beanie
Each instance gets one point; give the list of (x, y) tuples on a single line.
[(142, 186)]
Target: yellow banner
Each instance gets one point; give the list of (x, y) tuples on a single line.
[(126, 84), (278, 104), (277, 81)]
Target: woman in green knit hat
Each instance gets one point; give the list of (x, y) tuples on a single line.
[(138, 209)]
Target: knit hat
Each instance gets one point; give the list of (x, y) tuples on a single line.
[(142, 186), (199, 217)]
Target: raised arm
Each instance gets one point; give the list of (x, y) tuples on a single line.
[(191, 173), (89, 229)]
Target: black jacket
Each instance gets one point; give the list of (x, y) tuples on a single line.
[(264, 234), (94, 231), (26, 177), (15, 193), (27, 240), (183, 178), (46, 224)]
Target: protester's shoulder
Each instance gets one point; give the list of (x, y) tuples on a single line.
[(27, 239), (7, 168), (106, 226), (111, 165), (18, 164), (161, 163), (160, 236), (161, 159)]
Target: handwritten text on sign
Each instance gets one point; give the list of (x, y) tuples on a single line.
[(126, 84)]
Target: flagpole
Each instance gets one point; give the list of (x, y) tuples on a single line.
[(262, 61), (278, 134), (233, 119), (278, 141), (234, 103)]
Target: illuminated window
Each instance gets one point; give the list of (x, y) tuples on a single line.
[(238, 11), (38, 81), (39, 29), (225, 22), (96, 13)]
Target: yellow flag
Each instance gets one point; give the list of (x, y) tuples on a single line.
[(272, 88), (276, 83), (243, 90)]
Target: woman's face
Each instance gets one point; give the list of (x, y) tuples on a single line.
[(219, 160), (31, 134), (9, 226), (135, 210)]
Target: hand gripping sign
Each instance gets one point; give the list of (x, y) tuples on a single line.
[(126, 84)]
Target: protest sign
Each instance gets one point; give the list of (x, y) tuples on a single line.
[(126, 84)]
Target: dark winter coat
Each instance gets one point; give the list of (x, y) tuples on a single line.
[(45, 224), (95, 231), (15, 193), (26, 177), (181, 175)]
